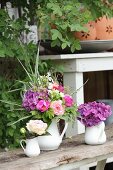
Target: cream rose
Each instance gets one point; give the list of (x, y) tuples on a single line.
[(36, 126)]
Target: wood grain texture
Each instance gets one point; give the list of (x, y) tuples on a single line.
[(71, 151)]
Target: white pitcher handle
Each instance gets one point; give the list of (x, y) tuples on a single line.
[(21, 143), (64, 130)]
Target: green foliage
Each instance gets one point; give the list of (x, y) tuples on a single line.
[(9, 135), (99, 8), (11, 37), (60, 19), (12, 46)]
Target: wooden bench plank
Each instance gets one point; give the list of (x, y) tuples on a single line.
[(72, 153)]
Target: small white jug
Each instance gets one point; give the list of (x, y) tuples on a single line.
[(32, 148), (95, 135)]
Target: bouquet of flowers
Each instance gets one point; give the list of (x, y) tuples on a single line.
[(45, 101), (92, 113)]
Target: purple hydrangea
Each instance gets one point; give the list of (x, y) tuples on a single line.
[(30, 100), (92, 113)]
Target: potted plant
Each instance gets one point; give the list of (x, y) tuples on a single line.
[(59, 20), (93, 115)]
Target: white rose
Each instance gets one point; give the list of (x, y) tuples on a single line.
[(36, 126)]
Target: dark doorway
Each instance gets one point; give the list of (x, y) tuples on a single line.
[(108, 166)]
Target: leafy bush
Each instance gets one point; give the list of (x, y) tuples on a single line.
[(9, 135)]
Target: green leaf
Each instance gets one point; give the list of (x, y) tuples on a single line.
[(56, 34), (64, 45), (10, 131), (76, 27), (34, 112), (2, 53), (55, 8)]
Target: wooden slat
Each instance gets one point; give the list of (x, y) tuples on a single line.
[(71, 151)]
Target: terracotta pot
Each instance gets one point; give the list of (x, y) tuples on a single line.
[(104, 28), (90, 35)]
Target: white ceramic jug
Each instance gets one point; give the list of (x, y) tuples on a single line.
[(95, 135), (53, 139), (32, 148)]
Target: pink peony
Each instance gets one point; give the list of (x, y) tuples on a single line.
[(68, 100), (57, 107), (43, 105)]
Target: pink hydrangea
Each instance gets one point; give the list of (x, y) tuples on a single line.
[(68, 100), (57, 107), (43, 105)]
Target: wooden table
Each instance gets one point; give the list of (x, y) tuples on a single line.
[(71, 154)]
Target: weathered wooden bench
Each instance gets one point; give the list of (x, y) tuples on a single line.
[(72, 153)]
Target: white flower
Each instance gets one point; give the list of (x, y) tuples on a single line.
[(50, 86), (49, 77), (36, 126), (61, 94)]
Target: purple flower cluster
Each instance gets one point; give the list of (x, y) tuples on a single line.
[(32, 98), (92, 113)]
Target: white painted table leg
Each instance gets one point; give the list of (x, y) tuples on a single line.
[(74, 81), (101, 165)]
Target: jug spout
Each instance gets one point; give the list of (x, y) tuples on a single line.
[(64, 130)]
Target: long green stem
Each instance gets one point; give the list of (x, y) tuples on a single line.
[(10, 103), (9, 124), (25, 70)]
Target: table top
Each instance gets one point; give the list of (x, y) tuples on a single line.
[(76, 56), (72, 150)]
